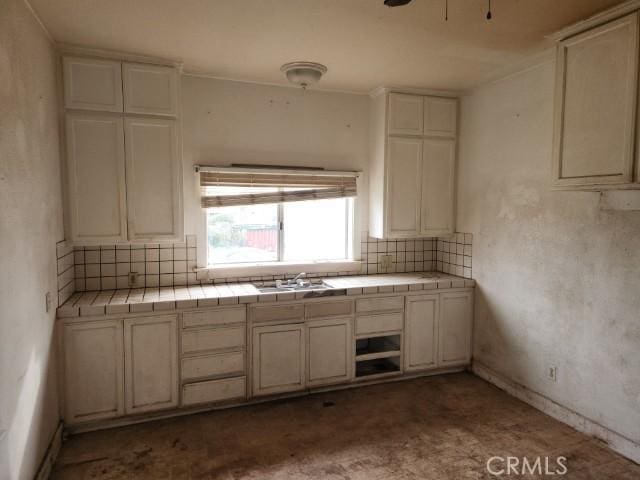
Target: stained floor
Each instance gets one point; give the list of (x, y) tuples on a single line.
[(444, 427)]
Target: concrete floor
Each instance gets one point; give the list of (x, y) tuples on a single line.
[(443, 427)]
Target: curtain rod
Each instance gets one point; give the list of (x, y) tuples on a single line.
[(272, 169)]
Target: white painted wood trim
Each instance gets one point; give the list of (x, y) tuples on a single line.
[(50, 456), (71, 49), (278, 171), (415, 91), (615, 441), (595, 20), (152, 416)]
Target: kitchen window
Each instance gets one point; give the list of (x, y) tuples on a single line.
[(277, 220), (305, 231)]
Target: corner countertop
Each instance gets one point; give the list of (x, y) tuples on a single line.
[(162, 299)]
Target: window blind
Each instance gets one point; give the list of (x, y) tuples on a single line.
[(272, 186)]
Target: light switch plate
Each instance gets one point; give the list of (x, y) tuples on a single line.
[(386, 261), (133, 279)]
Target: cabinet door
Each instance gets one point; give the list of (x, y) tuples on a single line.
[(440, 116), (93, 371), (454, 329), (404, 172), (151, 363), (329, 345), (150, 89), (406, 115), (278, 359), (438, 187), (96, 178), (154, 186), (596, 95), (92, 84), (421, 332)]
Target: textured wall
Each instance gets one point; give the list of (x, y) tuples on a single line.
[(30, 224), (557, 276)]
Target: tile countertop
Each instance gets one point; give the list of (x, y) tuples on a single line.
[(139, 300)]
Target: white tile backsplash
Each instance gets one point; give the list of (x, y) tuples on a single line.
[(453, 254), (66, 272), (106, 267)]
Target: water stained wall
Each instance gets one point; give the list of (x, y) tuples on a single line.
[(558, 275)]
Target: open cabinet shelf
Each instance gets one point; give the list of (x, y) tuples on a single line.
[(378, 347), (377, 366)]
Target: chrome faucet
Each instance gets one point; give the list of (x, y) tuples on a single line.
[(298, 278)]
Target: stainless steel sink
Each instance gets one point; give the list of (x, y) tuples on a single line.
[(310, 289)]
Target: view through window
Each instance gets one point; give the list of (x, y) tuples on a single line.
[(312, 230)]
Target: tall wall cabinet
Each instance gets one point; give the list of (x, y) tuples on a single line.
[(595, 140), (124, 168), (413, 165)]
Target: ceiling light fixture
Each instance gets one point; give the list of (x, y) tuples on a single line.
[(303, 74)]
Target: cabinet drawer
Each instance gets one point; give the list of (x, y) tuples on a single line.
[(211, 365), (277, 312), (384, 322), (329, 309), (213, 339), (213, 391), (219, 316), (379, 304)]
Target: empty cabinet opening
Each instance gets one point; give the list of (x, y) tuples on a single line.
[(377, 366), (366, 347)]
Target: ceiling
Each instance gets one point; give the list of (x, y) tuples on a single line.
[(363, 43)]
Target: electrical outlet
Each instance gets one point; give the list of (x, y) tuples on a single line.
[(47, 302), (133, 279), (385, 262), (552, 373)]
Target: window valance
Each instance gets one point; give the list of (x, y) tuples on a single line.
[(229, 186)]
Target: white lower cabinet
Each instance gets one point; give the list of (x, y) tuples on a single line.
[(421, 332), (278, 358), (132, 365), (93, 371), (213, 391), (329, 351), (456, 318), (438, 330), (151, 361)]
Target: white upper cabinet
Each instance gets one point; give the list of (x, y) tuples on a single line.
[(154, 194), (406, 115), (404, 170), (91, 84), (96, 177), (412, 166), (124, 173), (150, 89), (438, 186), (440, 116), (595, 105)]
